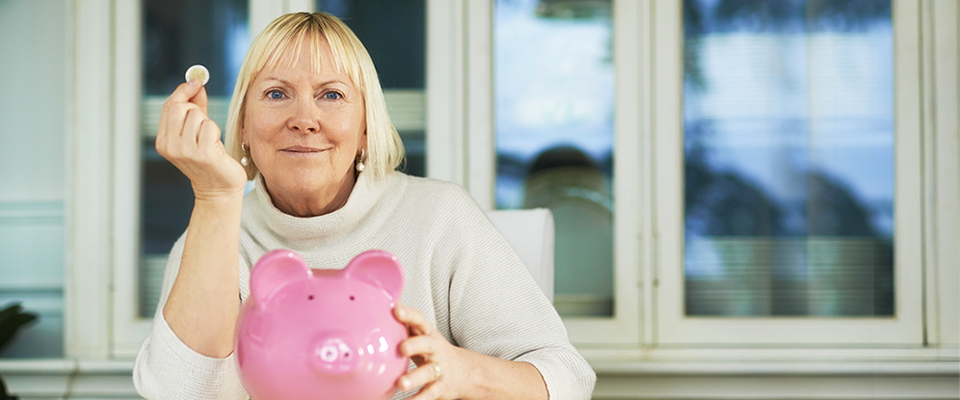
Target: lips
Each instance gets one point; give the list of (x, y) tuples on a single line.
[(302, 149)]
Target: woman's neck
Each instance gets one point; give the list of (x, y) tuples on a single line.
[(313, 204)]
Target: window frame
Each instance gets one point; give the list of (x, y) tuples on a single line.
[(461, 136), (674, 328), (940, 25), (129, 329)]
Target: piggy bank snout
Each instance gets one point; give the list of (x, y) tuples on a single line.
[(335, 354)]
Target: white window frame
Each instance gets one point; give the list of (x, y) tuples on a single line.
[(941, 120), (461, 139), (674, 327), (128, 328), (86, 291)]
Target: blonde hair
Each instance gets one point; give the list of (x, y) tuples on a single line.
[(288, 33)]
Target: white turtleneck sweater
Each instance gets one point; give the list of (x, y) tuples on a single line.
[(459, 272)]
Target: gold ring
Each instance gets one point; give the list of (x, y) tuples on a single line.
[(436, 371)]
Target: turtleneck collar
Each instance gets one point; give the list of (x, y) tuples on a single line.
[(342, 222)]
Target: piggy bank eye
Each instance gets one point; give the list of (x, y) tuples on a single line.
[(351, 298), (310, 297)]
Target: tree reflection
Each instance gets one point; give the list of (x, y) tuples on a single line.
[(800, 239), (835, 262)]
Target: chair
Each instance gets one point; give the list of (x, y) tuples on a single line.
[(531, 234)]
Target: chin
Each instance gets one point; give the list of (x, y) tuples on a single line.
[(305, 182)]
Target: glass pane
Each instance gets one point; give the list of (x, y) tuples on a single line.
[(394, 33), (789, 158), (34, 198), (176, 35), (554, 94)]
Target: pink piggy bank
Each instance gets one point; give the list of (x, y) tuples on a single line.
[(321, 334)]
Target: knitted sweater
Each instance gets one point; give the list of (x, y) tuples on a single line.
[(459, 272)]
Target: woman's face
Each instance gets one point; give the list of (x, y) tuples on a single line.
[(304, 129)]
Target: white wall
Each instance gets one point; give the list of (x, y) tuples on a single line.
[(34, 76)]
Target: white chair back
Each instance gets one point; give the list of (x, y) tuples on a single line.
[(531, 234)]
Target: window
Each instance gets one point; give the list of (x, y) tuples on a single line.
[(818, 166), (33, 72), (95, 209), (788, 159), (794, 178), (554, 103), (650, 251), (553, 90)]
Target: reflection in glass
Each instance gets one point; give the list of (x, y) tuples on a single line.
[(176, 35), (394, 33), (788, 145), (553, 85)]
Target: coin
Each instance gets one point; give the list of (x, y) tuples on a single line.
[(198, 72)]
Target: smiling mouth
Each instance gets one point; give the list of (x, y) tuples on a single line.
[(302, 150)]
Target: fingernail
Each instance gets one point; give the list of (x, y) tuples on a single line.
[(404, 383), (194, 82), (401, 313)]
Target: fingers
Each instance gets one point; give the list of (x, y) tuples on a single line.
[(183, 114), (173, 119), (421, 376), (179, 139), (191, 126), (190, 92), (209, 135), (424, 346), (413, 319), (186, 97), (190, 140), (200, 99)]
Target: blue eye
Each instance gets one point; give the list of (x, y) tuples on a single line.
[(332, 96), (275, 94)]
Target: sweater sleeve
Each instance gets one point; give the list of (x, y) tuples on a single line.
[(497, 309), (166, 368)]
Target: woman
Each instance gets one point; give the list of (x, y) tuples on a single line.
[(309, 124)]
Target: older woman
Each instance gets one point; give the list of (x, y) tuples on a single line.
[(309, 125)]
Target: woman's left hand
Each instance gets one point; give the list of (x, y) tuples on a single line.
[(444, 370)]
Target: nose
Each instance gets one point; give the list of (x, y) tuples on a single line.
[(305, 118), (333, 354)]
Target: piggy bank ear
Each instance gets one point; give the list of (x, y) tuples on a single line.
[(274, 270), (380, 269)]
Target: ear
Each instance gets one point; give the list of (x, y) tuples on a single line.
[(275, 270), (380, 269)]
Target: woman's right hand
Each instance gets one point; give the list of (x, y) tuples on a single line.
[(191, 141)]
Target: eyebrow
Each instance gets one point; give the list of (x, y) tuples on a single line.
[(288, 83)]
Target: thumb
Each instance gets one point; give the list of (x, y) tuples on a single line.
[(200, 98)]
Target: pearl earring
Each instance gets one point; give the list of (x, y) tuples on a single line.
[(360, 165), (244, 161)]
